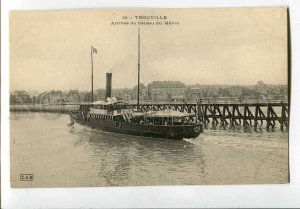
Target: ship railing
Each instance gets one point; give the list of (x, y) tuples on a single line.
[(166, 121)]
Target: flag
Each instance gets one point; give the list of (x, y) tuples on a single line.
[(94, 50)]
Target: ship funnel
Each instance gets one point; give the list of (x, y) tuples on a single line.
[(108, 85)]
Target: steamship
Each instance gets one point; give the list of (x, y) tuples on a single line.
[(119, 117)]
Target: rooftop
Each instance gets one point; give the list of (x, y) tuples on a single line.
[(166, 84)]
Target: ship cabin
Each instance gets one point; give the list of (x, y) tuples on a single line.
[(116, 111), (165, 118), (104, 108), (121, 112)]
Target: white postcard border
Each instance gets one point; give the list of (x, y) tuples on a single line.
[(286, 195)]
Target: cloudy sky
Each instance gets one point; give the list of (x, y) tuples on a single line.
[(51, 49)]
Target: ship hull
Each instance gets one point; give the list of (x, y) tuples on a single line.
[(146, 130)]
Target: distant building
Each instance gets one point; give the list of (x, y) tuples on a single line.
[(20, 97), (166, 90), (131, 94), (261, 87), (235, 91), (122, 94), (194, 93), (72, 96), (143, 92)]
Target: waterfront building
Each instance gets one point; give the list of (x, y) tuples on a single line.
[(20, 97), (194, 93), (236, 91), (166, 90), (261, 87)]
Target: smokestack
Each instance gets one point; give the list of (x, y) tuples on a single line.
[(108, 85)]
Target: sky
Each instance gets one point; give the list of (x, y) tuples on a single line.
[(52, 49)]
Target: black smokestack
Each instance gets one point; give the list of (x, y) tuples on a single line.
[(108, 84)]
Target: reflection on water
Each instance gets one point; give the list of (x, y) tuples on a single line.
[(59, 155), (121, 158)]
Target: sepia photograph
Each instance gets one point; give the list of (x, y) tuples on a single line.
[(149, 97)]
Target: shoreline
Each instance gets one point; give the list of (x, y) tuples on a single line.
[(64, 109)]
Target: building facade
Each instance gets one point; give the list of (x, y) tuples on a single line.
[(166, 90)]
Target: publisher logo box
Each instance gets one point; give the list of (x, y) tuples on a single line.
[(26, 177)]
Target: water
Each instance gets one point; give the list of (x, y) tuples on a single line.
[(62, 156)]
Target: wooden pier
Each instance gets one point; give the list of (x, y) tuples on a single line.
[(226, 113), (245, 114)]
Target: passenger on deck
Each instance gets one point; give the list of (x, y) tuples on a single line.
[(191, 120)]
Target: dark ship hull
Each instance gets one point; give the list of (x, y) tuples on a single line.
[(147, 130)]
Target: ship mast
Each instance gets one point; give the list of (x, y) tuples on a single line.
[(138, 90), (93, 50), (92, 77)]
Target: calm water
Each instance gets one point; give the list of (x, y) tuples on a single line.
[(60, 156)]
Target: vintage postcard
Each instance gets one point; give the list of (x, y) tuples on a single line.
[(149, 97)]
